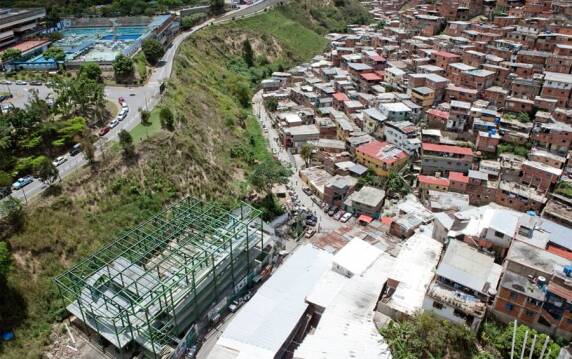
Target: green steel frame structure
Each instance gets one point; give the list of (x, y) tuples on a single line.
[(151, 284)]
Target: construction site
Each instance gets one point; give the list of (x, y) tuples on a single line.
[(151, 290)]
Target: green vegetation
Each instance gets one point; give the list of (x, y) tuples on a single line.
[(167, 119), (91, 71), (425, 336), (564, 188), (141, 64), (153, 51), (216, 148), (306, 153), (123, 69), (54, 53), (11, 54), (496, 338), (151, 127), (520, 150), (519, 116), (188, 22), (29, 134)]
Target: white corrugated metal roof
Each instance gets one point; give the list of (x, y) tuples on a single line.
[(264, 323), (346, 328)]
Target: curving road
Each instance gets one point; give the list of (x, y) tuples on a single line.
[(145, 97)]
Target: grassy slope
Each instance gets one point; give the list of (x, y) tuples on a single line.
[(196, 159)]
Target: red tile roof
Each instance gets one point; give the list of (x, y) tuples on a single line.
[(370, 76), (29, 45), (432, 180), (458, 177), (560, 252), (447, 149), (383, 151), (340, 96), (438, 113), (386, 220), (445, 54), (365, 218)]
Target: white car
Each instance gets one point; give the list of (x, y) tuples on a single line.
[(6, 82), (20, 82), (123, 113), (59, 160), (114, 123), (346, 217)]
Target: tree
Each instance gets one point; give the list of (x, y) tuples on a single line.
[(145, 116), (380, 25), (12, 211), (55, 53), (188, 22), (55, 36), (271, 104), (87, 141), (395, 184), (267, 173), (247, 53), (123, 68), (153, 50), (126, 143), (79, 96), (46, 171), (167, 118), (5, 179), (91, 70), (306, 153), (216, 6), (5, 261), (11, 54)]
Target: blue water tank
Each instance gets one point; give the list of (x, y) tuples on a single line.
[(531, 213), (568, 270), (7, 336)]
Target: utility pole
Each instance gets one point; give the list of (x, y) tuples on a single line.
[(532, 347), (523, 345), (513, 339)]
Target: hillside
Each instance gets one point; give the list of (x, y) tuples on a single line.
[(215, 145)]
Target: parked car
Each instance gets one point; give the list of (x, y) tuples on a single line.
[(307, 191), (20, 82), (6, 82), (76, 149), (114, 123), (22, 182), (7, 107), (346, 217), (123, 113), (104, 131), (59, 160), (332, 211), (36, 83), (339, 215)]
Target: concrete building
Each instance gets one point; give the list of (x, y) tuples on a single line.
[(368, 201), (445, 158), (404, 135), (465, 282), (406, 285), (535, 289), (19, 24), (338, 189), (381, 157)]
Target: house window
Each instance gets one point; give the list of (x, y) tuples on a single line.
[(513, 295), (437, 305), (529, 313), (499, 234), (509, 306)]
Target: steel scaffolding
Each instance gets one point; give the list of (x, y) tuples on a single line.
[(153, 282)]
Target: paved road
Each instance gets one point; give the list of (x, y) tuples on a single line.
[(325, 222), (144, 97)]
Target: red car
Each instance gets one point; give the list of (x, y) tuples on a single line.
[(104, 131)]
